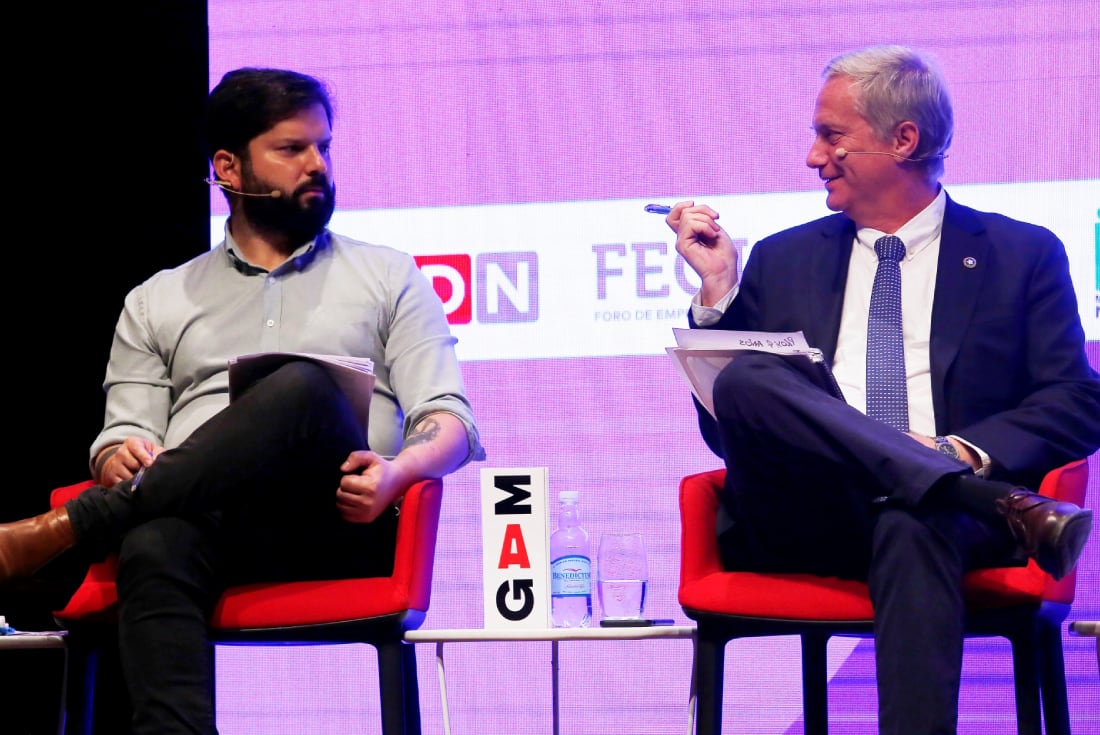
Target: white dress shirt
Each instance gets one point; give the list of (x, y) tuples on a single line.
[(921, 236)]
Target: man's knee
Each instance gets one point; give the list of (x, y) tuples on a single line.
[(163, 547), (745, 378), (301, 378)]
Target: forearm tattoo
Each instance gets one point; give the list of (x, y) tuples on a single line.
[(426, 431)]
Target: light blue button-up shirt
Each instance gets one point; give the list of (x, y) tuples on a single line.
[(168, 369)]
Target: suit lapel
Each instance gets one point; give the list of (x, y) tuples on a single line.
[(963, 261), (963, 264), (829, 260)]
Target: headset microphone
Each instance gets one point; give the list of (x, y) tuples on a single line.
[(224, 185), (842, 153)]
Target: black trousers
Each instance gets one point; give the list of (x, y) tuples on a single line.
[(248, 497), (815, 486)]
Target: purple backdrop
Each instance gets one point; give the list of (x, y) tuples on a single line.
[(463, 104)]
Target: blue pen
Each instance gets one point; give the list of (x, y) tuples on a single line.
[(137, 480), (658, 208), (139, 475)]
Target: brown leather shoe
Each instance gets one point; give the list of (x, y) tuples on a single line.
[(1050, 531), (26, 546)]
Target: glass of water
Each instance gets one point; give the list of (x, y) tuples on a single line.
[(622, 575)]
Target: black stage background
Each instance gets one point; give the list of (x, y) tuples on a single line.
[(104, 117)]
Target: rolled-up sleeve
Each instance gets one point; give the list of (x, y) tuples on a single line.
[(421, 373)]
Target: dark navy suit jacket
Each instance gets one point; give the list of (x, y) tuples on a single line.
[(1009, 369)]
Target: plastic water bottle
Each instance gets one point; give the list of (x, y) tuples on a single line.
[(570, 567)]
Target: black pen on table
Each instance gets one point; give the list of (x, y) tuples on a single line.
[(658, 208)]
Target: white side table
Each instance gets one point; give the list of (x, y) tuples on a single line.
[(553, 635), (1088, 627), (45, 639), (52, 639)]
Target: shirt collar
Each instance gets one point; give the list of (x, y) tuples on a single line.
[(918, 233), (302, 256)]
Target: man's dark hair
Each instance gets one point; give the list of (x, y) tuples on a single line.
[(250, 101)]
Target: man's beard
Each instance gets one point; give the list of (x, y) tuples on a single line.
[(299, 220)]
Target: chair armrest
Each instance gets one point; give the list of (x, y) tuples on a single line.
[(1067, 483), (417, 529), (61, 495), (699, 555)]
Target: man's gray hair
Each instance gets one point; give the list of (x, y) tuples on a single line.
[(893, 84)]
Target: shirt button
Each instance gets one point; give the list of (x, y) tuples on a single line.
[(271, 322)]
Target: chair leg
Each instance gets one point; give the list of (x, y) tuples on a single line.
[(1052, 678), (394, 672), (212, 653), (815, 683), (412, 689), (710, 655), (1026, 679), (81, 660)]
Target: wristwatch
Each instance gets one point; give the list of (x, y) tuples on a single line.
[(946, 447)]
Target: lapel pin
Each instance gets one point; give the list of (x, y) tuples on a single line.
[(970, 262)]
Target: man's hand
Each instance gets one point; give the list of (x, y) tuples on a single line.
[(371, 484), (706, 247), (436, 446), (122, 461)]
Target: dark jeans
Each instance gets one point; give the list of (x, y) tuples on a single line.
[(815, 486), (248, 497)]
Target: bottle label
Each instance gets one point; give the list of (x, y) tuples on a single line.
[(571, 575)]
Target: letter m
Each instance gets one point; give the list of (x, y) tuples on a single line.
[(516, 500)]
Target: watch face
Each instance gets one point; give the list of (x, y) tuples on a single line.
[(947, 447)]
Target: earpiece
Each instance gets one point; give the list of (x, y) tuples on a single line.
[(222, 184), (842, 153)]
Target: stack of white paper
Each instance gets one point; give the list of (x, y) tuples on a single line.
[(700, 354)]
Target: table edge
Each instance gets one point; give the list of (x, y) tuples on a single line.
[(1085, 627), (447, 635)]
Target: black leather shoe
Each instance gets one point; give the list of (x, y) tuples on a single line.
[(1050, 531)]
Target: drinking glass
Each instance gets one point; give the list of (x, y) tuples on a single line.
[(622, 575)]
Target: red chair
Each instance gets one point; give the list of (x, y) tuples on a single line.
[(375, 611), (1022, 604)]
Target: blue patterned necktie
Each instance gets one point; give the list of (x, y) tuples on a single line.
[(887, 398)]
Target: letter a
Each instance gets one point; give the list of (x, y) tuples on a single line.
[(513, 550)]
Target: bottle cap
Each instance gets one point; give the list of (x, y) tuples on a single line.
[(568, 496)]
